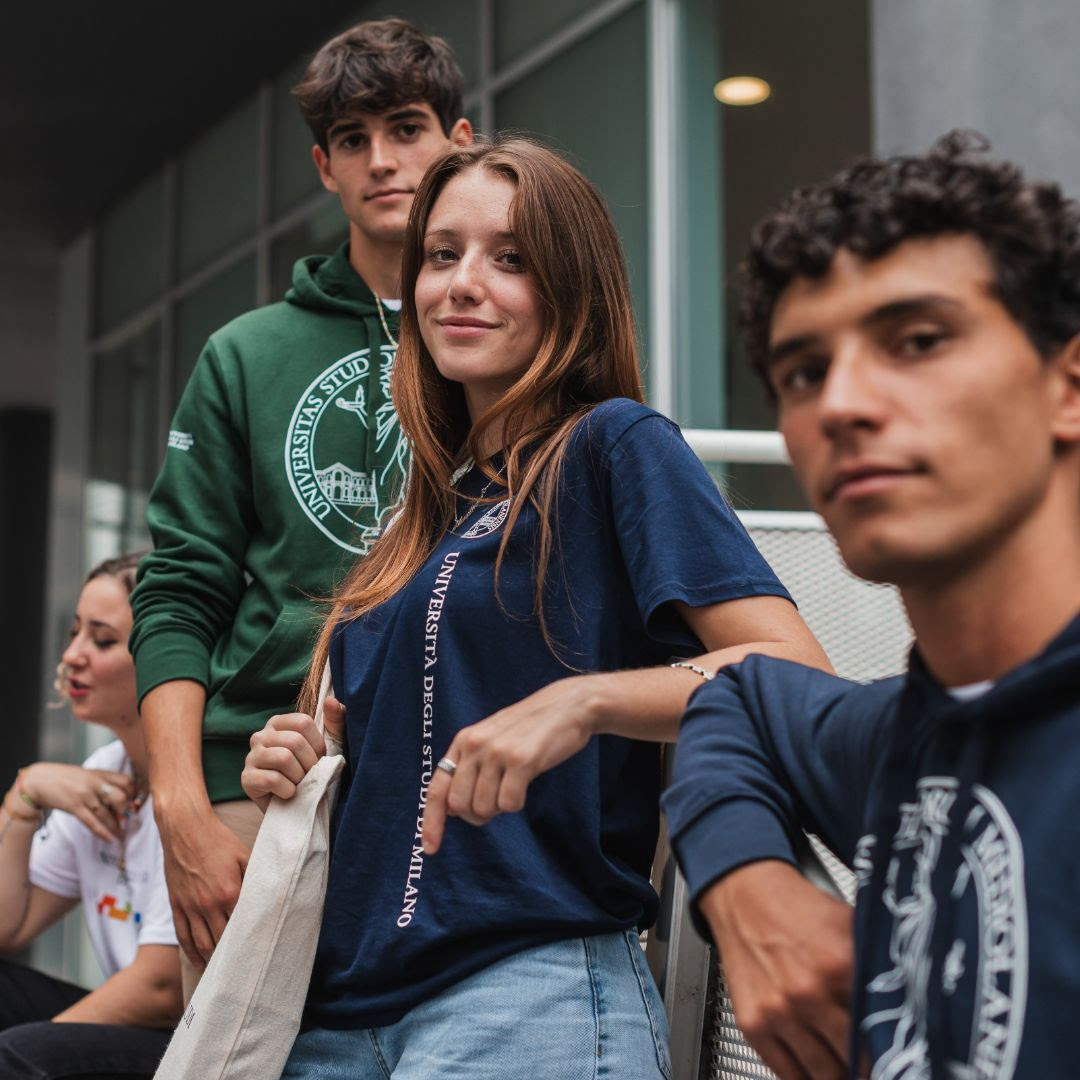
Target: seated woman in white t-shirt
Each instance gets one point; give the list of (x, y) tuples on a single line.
[(99, 845)]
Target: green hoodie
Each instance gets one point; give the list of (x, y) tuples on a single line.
[(283, 461)]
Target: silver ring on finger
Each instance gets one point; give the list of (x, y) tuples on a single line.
[(449, 767), (106, 789)]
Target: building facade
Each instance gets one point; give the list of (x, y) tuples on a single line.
[(625, 87)]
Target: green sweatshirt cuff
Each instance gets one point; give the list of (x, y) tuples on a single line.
[(170, 654)]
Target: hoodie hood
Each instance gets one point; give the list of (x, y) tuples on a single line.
[(329, 283)]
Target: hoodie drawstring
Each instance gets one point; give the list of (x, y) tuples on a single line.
[(893, 777), (372, 391), (972, 765)]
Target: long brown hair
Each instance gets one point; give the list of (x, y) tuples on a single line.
[(588, 354)]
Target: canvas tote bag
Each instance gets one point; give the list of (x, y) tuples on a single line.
[(245, 1013)]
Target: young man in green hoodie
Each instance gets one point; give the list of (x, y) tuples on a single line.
[(284, 458)]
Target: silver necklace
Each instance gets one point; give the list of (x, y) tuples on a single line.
[(135, 804), (382, 319), (479, 498)]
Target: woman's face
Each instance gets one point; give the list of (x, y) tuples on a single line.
[(98, 671), (480, 316)]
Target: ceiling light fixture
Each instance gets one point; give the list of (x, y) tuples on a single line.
[(742, 90)]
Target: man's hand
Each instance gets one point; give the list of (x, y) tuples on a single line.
[(204, 868), (204, 859), (787, 951)]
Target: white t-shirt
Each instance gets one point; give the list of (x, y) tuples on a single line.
[(122, 910)]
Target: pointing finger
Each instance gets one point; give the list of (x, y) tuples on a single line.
[(435, 812)]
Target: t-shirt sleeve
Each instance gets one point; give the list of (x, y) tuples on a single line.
[(766, 750), (679, 537), (53, 862)]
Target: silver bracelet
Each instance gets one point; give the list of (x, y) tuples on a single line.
[(708, 676)]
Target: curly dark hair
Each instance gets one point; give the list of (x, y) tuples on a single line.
[(1029, 229), (375, 66)]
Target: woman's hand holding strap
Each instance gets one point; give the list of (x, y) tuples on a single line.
[(285, 750)]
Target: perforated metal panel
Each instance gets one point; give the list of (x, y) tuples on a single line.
[(729, 1056), (861, 626), (864, 630)]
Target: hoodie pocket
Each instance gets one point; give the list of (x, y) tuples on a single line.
[(273, 672)]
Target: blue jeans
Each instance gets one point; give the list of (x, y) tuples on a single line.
[(582, 1009)]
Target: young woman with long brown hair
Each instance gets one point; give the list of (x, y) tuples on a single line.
[(558, 543)]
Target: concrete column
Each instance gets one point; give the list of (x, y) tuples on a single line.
[(1006, 69)]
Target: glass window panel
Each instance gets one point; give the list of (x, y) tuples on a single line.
[(125, 444), (577, 104), (816, 59), (50, 950), (294, 175), (519, 26), (218, 188), (131, 254), (458, 22), (319, 234), (206, 309)]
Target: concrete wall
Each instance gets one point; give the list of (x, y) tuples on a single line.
[(1007, 69), (28, 343), (28, 355)]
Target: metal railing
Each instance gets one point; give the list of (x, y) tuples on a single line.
[(733, 447)]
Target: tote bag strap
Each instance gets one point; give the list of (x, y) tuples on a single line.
[(332, 744), (324, 689)]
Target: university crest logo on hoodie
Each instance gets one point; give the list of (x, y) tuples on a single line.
[(985, 969), (343, 463)]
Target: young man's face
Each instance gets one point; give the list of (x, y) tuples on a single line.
[(376, 161), (918, 415)]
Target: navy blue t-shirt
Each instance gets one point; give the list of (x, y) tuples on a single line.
[(639, 523)]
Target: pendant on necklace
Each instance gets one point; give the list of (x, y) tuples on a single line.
[(133, 807), (473, 504)]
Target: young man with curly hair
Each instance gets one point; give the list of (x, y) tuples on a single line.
[(918, 321), (284, 459)]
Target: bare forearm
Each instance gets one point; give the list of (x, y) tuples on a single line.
[(172, 715), (16, 835), (648, 703), (145, 994), (204, 860)]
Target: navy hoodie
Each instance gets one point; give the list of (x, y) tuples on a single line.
[(962, 820)]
